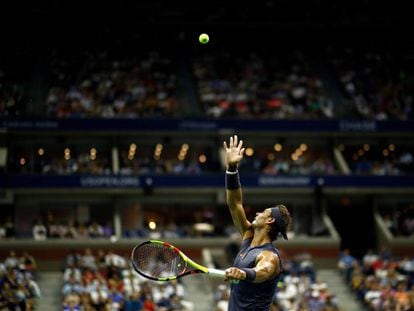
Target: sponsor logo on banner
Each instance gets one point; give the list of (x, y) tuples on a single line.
[(284, 181), (357, 126), (109, 181)]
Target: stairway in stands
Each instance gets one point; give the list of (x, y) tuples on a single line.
[(50, 284), (346, 299), (198, 291)]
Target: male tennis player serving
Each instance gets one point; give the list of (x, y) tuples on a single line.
[(258, 264)]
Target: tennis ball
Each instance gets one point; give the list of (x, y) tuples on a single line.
[(203, 38)]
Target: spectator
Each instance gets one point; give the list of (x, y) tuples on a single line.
[(72, 287), (28, 262), (95, 230), (133, 302), (12, 261), (88, 260), (114, 260), (346, 264), (39, 231), (2, 231), (9, 226)]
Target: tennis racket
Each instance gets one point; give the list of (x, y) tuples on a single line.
[(160, 261)]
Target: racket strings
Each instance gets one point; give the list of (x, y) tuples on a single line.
[(158, 261)]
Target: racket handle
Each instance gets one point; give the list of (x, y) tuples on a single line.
[(216, 272)]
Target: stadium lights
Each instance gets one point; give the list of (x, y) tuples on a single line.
[(303, 147), (277, 147), (67, 154), (152, 225), (202, 158)]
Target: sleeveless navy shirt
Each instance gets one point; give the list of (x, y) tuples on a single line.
[(246, 295)]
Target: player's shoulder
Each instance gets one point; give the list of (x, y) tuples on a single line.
[(269, 254)]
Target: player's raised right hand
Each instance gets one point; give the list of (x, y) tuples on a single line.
[(234, 152)]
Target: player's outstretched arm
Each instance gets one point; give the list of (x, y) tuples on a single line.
[(267, 267), (234, 154)]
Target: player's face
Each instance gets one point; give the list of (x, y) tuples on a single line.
[(261, 218)]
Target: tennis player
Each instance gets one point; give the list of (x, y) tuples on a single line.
[(257, 267)]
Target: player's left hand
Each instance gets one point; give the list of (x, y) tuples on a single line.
[(234, 274)]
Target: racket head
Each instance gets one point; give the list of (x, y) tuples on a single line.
[(160, 261)]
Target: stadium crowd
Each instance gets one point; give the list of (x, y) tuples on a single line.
[(71, 230), (106, 281), (256, 85), (105, 86), (380, 280), (376, 160), (18, 286), (378, 84), (283, 84)]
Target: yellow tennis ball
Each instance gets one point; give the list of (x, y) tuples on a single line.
[(203, 38)]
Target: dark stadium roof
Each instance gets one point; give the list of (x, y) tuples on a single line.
[(42, 23)]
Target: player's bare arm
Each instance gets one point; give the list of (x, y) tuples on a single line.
[(267, 267), (234, 154)]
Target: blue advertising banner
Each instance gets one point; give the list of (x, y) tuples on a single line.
[(206, 180), (203, 125)]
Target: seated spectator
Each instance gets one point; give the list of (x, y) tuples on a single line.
[(39, 231), (96, 230), (108, 229), (28, 262), (2, 231), (72, 272), (133, 302), (88, 260), (71, 232), (72, 286), (12, 261), (346, 263), (83, 232), (9, 226), (72, 302), (112, 259), (56, 229)]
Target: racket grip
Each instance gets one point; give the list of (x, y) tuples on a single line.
[(216, 272)]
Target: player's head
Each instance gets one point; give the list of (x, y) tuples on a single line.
[(281, 222), (277, 219)]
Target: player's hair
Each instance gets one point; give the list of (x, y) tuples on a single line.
[(285, 223)]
